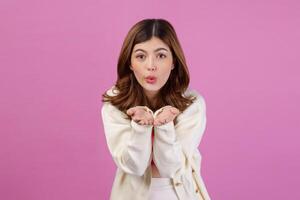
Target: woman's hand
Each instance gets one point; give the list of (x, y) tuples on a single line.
[(140, 115), (167, 114)]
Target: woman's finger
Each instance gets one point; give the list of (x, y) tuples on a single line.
[(175, 111), (139, 121), (162, 121), (130, 111), (166, 121), (145, 122), (136, 119), (152, 120)]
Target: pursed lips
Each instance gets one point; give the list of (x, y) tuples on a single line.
[(150, 79)]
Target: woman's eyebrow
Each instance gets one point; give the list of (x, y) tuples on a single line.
[(158, 49)]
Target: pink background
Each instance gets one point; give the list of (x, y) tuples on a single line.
[(57, 58)]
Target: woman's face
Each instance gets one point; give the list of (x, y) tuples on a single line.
[(151, 63)]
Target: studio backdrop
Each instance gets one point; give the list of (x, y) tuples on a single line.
[(58, 57)]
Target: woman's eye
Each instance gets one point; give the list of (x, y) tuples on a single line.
[(140, 56), (161, 55)]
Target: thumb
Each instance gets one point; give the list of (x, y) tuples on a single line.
[(130, 111), (174, 111)]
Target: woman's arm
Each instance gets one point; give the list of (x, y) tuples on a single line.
[(129, 142), (174, 144)]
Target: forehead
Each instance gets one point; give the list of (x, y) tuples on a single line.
[(151, 45)]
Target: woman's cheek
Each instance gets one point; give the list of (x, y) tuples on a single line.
[(166, 76)]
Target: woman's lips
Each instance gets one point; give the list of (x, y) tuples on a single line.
[(151, 79)]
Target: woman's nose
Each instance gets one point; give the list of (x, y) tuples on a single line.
[(151, 66)]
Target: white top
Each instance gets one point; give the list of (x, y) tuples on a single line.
[(175, 151)]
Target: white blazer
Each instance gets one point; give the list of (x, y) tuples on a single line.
[(175, 151)]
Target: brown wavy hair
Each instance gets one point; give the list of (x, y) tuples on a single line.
[(130, 92)]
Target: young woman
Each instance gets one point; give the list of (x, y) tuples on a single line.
[(153, 122)]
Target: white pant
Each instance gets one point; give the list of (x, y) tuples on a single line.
[(162, 188)]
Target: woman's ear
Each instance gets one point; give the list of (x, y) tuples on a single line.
[(172, 66)]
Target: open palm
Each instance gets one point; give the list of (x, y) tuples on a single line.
[(167, 114)]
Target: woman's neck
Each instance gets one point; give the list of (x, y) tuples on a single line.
[(153, 99), (151, 95)]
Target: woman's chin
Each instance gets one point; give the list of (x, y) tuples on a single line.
[(151, 89)]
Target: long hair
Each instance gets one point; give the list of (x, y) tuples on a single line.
[(130, 92)]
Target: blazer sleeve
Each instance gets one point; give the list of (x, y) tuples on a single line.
[(174, 144), (128, 142)]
